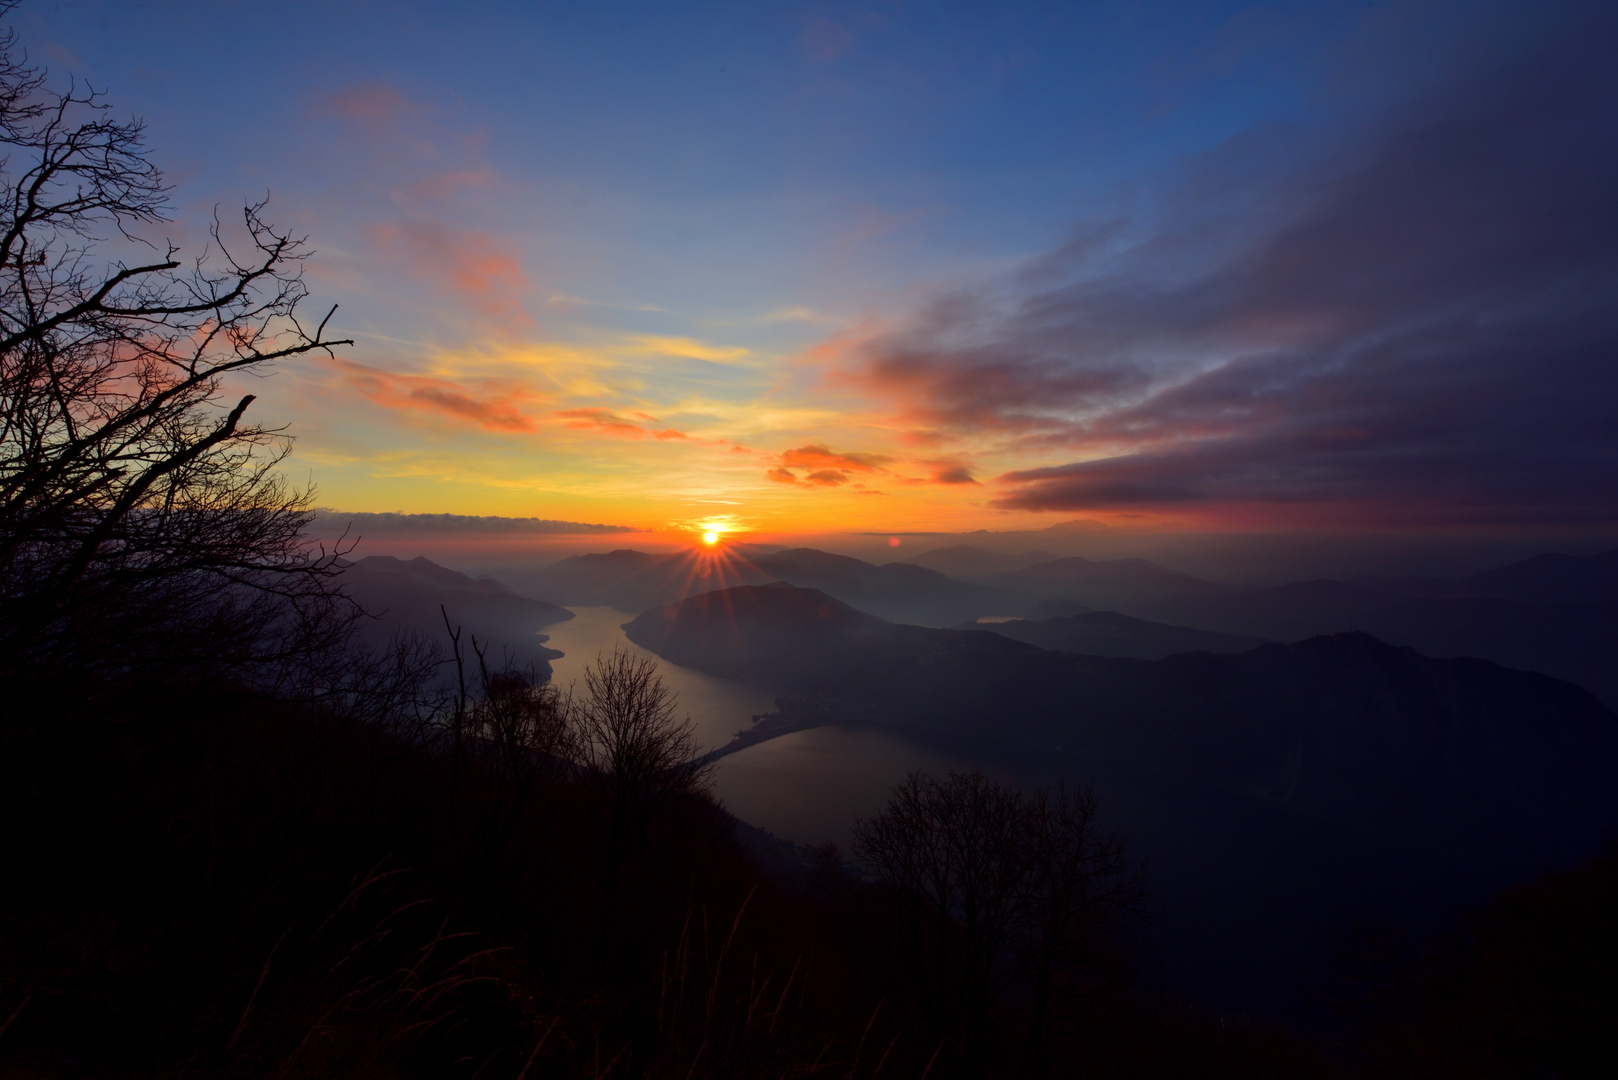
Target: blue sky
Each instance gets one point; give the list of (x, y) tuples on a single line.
[(730, 219)]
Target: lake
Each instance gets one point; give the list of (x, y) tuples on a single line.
[(808, 786)]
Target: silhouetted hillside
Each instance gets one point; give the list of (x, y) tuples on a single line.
[(1549, 614), (1283, 613), (1107, 633), (1278, 794), (1342, 725), (1500, 621), (1555, 578), (1057, 609), (898, 591), (1552, 613), (635, 581), (969, 563), (1563, 578), (591, 579), (1577, 642), (1521, 988), (1109, 584), (405, 595)]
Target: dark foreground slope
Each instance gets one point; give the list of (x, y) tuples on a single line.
[(1278, 794), (211, 884)]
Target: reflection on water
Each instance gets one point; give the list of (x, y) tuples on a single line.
[(719, 707), (808, 786)]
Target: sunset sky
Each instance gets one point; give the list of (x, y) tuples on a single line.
[(905, 266)]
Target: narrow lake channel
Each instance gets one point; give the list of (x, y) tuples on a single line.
[(807, 786)]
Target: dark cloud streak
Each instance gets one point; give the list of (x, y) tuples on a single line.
[(1424, 317)]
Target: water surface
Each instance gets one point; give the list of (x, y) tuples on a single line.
[(808, 786), (719, 707)]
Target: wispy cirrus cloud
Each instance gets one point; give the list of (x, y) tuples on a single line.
[(607, 422), (689, 348)]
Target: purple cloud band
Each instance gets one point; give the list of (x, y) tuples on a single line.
[(1424, 317)]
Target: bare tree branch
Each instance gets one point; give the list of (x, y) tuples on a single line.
[(134, 503)]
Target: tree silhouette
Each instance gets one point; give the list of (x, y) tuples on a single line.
[(138, 506), (993, 888), (512, 735), (638, 752)]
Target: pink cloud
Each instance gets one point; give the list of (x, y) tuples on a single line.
[(452, 182), (468, 262), (371, 103), (496, 408), (602, 420)]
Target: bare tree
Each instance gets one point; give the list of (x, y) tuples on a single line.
[(638, 752), (1075, 892), (510, 736), (137, 507), (992, 889)]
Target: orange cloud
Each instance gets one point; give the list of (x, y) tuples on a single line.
[(824, 466), (610, 423), (947, 470), (495, 408), (821, 456), (602, 420)]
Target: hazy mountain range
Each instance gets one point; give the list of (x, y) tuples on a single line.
[(635, 580), (405, 596), (1277, 794), (1287, 760), (1107, 633), (1342, 725), (1553, 613)]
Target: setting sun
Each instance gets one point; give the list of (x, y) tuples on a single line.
[(710, 537)]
